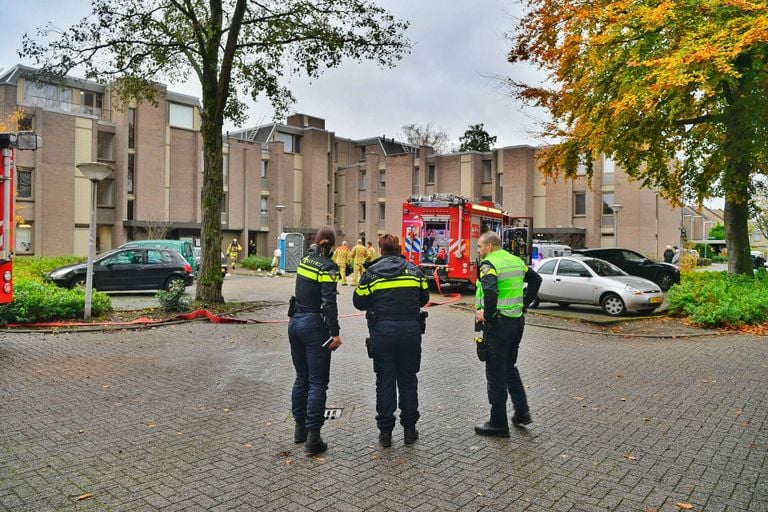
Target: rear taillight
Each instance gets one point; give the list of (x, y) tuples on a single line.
[(188, 269)]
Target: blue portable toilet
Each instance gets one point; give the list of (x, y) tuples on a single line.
[(291, 251)]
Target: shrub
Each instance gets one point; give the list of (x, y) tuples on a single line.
[(688, 261), (257, 262), (37, 266), (175, 299), (36, 301), (719, 299)]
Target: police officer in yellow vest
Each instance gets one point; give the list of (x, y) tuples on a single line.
[(501, 302)]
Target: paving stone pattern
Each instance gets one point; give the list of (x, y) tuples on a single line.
[(195, 417)]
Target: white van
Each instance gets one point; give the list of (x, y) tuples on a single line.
[(544, 250)]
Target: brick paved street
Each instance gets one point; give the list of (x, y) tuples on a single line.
[(196, 417)]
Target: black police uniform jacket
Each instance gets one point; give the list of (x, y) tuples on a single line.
[(316, 280), (393, 288)]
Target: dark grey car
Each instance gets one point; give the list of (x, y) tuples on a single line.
[(135, 268)]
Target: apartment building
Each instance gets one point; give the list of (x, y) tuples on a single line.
[(315, 176)]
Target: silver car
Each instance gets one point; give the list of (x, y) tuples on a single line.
[(581, 280)]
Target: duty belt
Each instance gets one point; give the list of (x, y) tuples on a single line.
[(301, 308)]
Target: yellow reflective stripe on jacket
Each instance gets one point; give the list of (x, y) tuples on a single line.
[(314, 274), (391, 283)]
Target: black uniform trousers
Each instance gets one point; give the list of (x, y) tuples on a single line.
[(502, 340), (396, 347), (312, 361)]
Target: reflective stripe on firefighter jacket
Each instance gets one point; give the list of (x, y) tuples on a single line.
[(506, 273), (316, 279)]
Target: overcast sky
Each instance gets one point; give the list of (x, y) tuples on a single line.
[(447, 80)]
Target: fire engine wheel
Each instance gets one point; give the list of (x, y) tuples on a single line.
[(77, 281)]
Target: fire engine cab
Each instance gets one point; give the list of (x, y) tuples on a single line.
[(440, 233), (9, 143)]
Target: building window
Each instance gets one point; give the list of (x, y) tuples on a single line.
[(487, 198), (607, 217), (264, 169), (264, 205), (291, 143), (105, 146), (105, 193), (361, 213), (431, 174), (91, 102), (579, 203), (225, 169), (181, 116), (131, 128), (24, 184), (363, 180), (415, 185), (609, 166), (130, 175), (581, 169), (487, 171), (382, 179), (382, 211), (224, 216), (38, 94)]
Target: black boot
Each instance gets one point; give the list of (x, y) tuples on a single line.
[(385, 439), (410, 435), (299, 433), (489, 429), (315, 443), (521, 419)]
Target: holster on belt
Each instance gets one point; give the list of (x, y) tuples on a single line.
[(480, 345), (291, 306), (423, 320), (368, 347)]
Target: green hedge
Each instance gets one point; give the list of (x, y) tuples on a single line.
[(257, 262), (719, 299), (37, 301)]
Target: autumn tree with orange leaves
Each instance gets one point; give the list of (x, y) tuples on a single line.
[(676, 92)]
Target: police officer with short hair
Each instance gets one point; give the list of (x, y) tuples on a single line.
[(313, 332), (392, 291), (501, 302)]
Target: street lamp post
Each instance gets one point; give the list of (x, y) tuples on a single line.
[(280, 208), (616, 208), (95, 172)]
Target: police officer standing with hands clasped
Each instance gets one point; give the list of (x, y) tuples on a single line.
[(501, 302), (313, 332), (392, 291)]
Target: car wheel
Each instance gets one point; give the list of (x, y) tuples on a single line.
[(664, 280), (613, 305), (563, 304), (171, 280), (535, 303), (77, 281)]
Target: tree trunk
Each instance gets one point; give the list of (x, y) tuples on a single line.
[(209, 280), (736, 185)]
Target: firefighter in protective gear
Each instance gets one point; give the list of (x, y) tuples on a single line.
[(233, 252), (501, 301), (370, 252), (313, 332), (341, 258), (392, 291), (358, 255)]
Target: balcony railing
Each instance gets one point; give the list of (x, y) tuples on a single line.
[(64, 106)]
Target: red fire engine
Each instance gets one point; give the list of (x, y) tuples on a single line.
[(440, 233), (9, 143)]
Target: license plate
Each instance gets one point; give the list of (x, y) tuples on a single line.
[(656, 300)]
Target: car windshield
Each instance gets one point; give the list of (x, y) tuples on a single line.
[(634, 257), (604, 269)]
